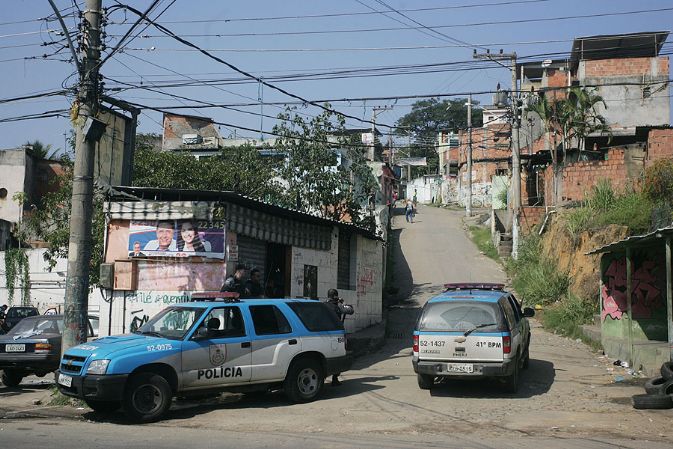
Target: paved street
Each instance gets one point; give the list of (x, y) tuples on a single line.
[(569, 397)]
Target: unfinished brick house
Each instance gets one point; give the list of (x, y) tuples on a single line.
[(633, 79), (491, 156)]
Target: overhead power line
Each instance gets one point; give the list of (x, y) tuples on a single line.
[(360, 13), (249, 75), (434, 27)]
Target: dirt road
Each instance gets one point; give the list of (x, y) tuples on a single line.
[(569, 395)]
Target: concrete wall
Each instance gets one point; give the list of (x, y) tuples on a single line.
[(427, 188), (47, 288), (13, 179), (367, 276), (630, 105)]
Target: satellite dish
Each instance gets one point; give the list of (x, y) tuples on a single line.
[(546, 63)]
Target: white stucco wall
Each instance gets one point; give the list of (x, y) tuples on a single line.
[(47, 288), (12, 178), (367, 296)]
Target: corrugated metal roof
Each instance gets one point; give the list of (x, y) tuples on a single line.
[(634, 240), (127, 193)]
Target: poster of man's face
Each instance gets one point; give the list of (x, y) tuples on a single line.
[(177, 238)]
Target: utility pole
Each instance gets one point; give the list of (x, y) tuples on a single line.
[(376, 110), (516, 151), (88, 132), (468, 203)]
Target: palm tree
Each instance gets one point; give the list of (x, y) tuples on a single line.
[(39, 150), (574, 117)]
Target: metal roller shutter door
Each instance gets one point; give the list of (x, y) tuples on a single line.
[(252, 252)]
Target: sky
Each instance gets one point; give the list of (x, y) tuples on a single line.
[(342, 48)]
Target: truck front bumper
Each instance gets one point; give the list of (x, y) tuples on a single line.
[(100, 388)]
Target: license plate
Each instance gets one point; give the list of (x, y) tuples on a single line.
[(465, 368), (65, 380), (15, 348)]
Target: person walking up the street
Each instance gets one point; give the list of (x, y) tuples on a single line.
[(341, 310), (409, 211)]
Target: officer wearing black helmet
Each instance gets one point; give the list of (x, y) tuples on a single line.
[(341, 310)]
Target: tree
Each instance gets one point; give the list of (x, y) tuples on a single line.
[(316, 181), (39, 150), (573, 117), (426, 118)]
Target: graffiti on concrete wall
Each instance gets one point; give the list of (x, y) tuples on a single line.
[(645, 295), (365, 281)]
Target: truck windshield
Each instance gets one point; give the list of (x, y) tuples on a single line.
[(462, 316), (172, 323)]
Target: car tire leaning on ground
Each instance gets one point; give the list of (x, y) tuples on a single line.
[(304, 380), (652, 401), (667, 370), (103, 406), (11, 377), (655, 385), (425, 381), (147, 397)]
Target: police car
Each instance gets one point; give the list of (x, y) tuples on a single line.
[(198, 347), (472, 331)]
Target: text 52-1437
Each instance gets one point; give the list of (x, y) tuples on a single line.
[(436, 343)]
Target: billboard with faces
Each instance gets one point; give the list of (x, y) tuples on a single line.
[(177, 238)]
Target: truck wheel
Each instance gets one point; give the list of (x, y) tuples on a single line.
[(304, 380), (12, 377), (103, 406), (512, 381), (147, 397), (425, 381), (526, 356)]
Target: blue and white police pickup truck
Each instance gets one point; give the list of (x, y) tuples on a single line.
[(471, 331), (201, 347)]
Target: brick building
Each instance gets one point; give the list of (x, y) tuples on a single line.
[(628, 72)]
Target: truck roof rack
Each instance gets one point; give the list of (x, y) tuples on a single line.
[(216, 296), (473, 286)]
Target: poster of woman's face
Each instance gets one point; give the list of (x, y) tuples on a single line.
[(177, 238)]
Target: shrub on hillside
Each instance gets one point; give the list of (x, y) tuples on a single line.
[(658, 183), (536, 279), (567, 315)]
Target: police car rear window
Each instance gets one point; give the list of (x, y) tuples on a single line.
[(461, 316), (316, 316)]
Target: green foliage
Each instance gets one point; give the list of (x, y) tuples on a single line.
[(658, 183), (602, 196), (314, 182), (566, 316), (237, 169), (39, 150), (16, 267), (425, 119), (603, 206), (578, 221), (534, 277), (482, 238)]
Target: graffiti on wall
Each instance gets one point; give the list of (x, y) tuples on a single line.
[(158, 297), (645, 296), (365, 281)]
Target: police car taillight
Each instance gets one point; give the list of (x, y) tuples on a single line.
[(415, 349), (506, 344)]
